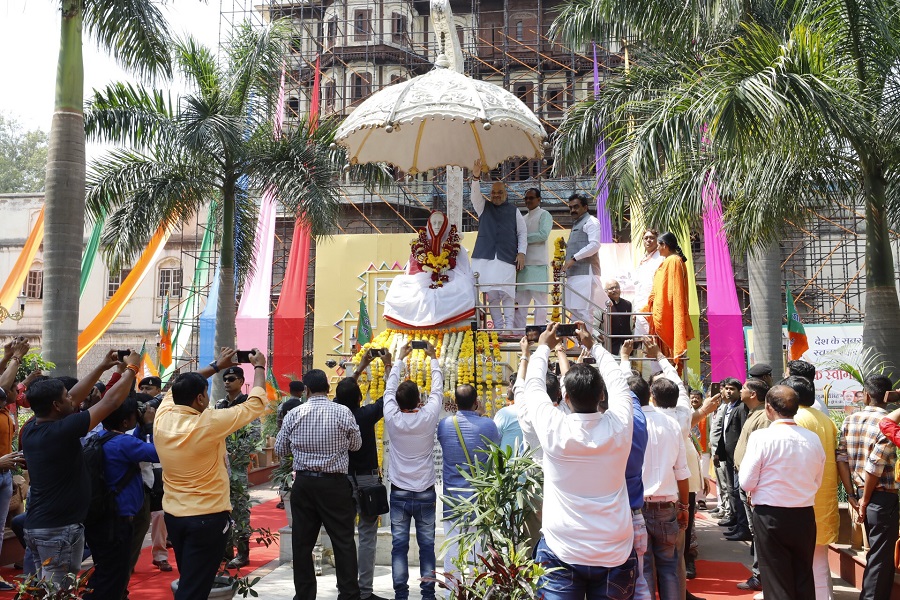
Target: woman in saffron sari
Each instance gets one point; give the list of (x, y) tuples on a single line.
[(668, 301)]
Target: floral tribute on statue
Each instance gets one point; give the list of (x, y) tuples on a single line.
[(436, 259)]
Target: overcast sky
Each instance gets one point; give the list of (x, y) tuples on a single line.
[(29, 45)]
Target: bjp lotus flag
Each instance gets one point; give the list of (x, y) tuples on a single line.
[(165, 336), (797, 343)]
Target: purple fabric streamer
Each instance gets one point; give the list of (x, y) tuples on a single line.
[(727, 352), (606, 231)]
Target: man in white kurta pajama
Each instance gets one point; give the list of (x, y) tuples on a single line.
[(499, 250)]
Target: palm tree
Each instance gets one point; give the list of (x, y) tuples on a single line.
[(215, 143), (135, 32), (788, 106)]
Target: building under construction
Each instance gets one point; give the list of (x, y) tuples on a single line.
[(360, 46)]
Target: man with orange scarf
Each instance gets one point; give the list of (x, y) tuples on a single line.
[(668, 302)]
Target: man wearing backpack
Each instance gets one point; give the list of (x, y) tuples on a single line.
[(190, 441), (112, 459), (60, 486)]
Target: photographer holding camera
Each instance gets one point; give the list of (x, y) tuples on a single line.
[(190, 441)]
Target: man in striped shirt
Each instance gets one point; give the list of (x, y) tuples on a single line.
[(320, 434), (866, 461)]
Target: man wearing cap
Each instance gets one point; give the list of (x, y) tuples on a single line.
[(152, 386), (761, 371), (239, 461)]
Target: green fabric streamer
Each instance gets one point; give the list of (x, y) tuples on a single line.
[(185, 327), (90, 253)]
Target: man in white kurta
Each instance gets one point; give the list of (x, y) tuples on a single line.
[(539, 223), (499, 250), (584, 292)]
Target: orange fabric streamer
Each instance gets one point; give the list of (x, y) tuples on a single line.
[(16, 278), (108, 314), (668, 303)]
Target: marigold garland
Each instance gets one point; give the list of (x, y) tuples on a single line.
[(463, 357), (438, 265), (559, 260)]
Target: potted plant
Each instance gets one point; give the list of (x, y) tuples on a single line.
[(506, 486), (283, 478)]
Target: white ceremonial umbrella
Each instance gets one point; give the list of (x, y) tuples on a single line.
[(442, 118)]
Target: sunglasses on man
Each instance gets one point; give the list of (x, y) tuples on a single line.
[(229, 379)]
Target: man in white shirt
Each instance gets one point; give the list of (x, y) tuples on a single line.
[(539, 224), (499, 248), (582, 266), (586, 520), (782, 470), (411, 471), (665, 478)]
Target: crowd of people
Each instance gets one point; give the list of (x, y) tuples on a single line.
[(628, 453), (773, 453)]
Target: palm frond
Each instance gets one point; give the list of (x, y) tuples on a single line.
[(255, 56), (127, 114), (857, 361), (133, 194), (134, 31)]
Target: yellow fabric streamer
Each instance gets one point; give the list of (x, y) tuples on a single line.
[(148, 369), (108, 314), (16, 278)]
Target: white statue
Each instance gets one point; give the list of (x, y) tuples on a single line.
[(438, 287)]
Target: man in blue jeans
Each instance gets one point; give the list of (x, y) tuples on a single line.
[(464, 438), (588, 535), (60, 486), (665, 510), (411, 471)]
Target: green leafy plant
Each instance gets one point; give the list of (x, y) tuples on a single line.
[(73, 587), (506, 487), (31, 362), (857, 361)]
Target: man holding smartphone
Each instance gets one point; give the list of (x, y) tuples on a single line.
[(238, 462), (190, 441)]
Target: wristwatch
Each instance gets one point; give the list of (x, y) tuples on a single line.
[(214, 366)]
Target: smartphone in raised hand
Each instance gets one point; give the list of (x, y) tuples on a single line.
[(243, 356), (566, 330)]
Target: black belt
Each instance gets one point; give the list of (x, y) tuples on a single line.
[(366, 472), (322, 474), (400, 489), (664, 503)]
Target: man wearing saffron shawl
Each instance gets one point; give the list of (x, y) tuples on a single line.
[(668, 302)]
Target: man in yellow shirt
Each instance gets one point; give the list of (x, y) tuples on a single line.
[(190, 441)]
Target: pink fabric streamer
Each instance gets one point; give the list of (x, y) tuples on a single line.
[(252, 321), (727, 352), (606, 232)]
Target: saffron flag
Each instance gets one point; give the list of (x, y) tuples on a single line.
[(364, 331), (272, 392), (165, 336), (314, 100), (797, 342)]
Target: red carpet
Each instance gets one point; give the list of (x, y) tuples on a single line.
[(719, 580), (149, 583)]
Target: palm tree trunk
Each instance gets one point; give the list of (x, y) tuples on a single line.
[(766, 307), (225, 310), (881, 324), (64, 200)]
